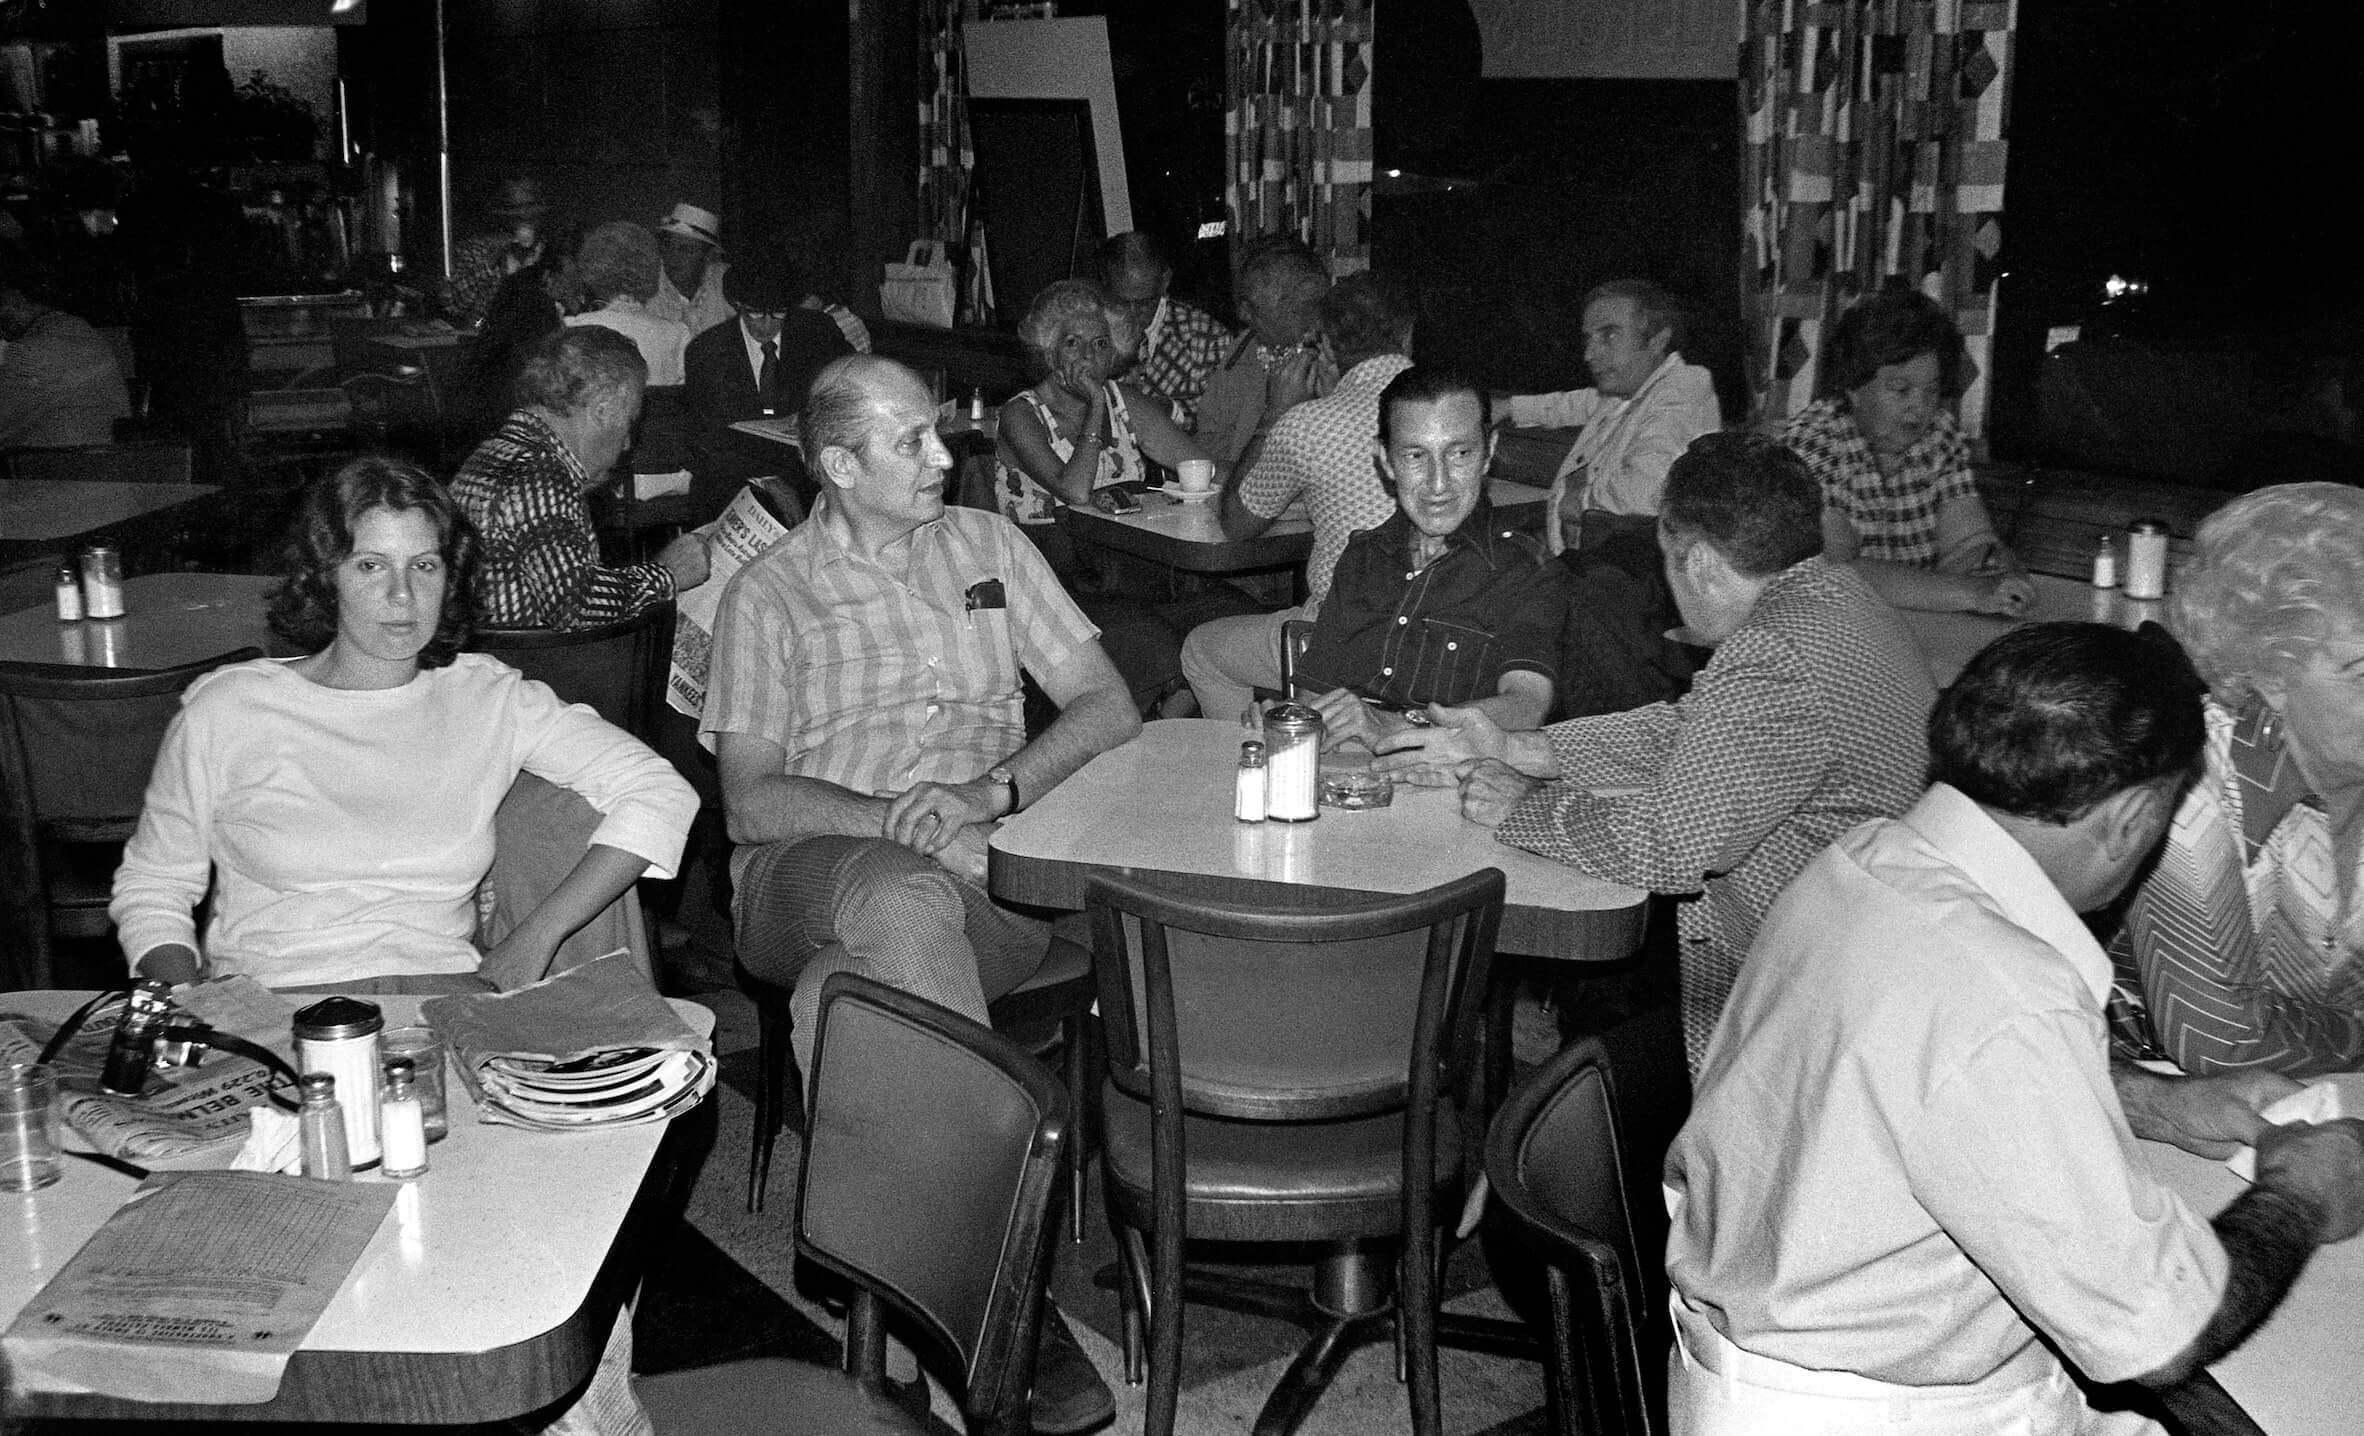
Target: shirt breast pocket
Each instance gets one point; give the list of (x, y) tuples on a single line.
[(989, 654), (1447, 662)]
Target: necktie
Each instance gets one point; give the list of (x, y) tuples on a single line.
[(767, 382)]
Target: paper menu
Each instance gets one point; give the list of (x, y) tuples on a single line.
[(199, 1289)]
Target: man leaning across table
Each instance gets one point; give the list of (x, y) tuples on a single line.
[(1319, 449), (1439, 604), (1908, 1188), (1644, 408), (866, 714), (524, 489), (1807, 720)]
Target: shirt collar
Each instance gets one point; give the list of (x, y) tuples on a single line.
[(1977, 845), (1372, 374), (828, 548), (1477, 532)]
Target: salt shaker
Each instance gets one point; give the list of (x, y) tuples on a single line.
[(402, 1124), (2105, 563), (69, 593), (320, 1130), (339, 1036), (2146, 559), (102, 581), (1292, 778), (1247, 801)]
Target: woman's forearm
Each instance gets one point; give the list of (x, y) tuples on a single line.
[(523, 955)]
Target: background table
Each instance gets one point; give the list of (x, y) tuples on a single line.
[(168, 619), (1159, 807), (1949, 640), (2302, 1373), (487, 1293), (56, 515)]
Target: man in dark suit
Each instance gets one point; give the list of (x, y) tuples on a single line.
[(757, 366)]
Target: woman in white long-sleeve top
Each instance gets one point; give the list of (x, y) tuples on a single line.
[(340, 806)]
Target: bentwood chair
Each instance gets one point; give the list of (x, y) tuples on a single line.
[(76, 747), (931, 1166), (619, 669), (1050, 1014), (1289, 1076), (1575, 1156)]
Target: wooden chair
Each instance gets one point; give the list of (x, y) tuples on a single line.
[(76, 747), (1288, 1076), (618, 669), (931, 1163), (1575, 1156), (146, 462)]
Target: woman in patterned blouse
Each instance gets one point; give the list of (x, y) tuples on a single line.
[(1897, 497), (2247, 940)]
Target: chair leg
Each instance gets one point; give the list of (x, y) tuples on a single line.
[(1133, 1298), (1071, 1036), (1165, 1329), (1416, 1318), (774, 1056)]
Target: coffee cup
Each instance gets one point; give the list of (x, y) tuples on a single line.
[(1198, 475)]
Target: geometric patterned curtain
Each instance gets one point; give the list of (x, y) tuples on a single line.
[(1874, 148), (1298, 129), (945, 159)]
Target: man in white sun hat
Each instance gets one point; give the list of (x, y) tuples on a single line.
[(689, 240)]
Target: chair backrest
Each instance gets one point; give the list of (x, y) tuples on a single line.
[(1292, 1014), (77, 743), (1296, 633), (931, 1162), (76, 748), (618, 669), (1575, 1155), (147, 462)]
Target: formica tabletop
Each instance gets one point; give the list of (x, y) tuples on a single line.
[(1159, 807), (55, 511), (168, 619), (2300, 1374), (486, 1293), (1949, 640)]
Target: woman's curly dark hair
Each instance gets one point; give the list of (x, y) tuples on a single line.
[(304, 605)]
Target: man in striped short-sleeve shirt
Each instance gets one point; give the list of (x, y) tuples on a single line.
[(866, 714)]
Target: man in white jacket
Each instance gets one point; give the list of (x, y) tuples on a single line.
[(1643, 410)]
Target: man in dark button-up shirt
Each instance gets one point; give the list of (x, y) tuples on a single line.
[(1439, 604)]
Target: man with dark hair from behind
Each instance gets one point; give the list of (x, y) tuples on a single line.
[(1909, 1177), (1807, 720), (577, 399)]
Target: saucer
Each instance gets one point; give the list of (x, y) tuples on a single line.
[(1182, 495)]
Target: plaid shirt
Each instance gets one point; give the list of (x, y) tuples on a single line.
[(1894, 515), (876, 679), (1322, 449), (478, 266), (1808, 720), (1182, 348), (523, 489)]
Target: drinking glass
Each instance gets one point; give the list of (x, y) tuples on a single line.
[(28, 1127)]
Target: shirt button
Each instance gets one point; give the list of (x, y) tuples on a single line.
[(1387, 673), (1411, 574), (1400, 621), (1451, 646)]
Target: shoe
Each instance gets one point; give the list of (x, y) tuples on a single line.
[(1069, 1395)]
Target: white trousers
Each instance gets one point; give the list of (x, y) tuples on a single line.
[(1716, 1389)]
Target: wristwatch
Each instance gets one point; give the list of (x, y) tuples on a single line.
[(1000, 773)]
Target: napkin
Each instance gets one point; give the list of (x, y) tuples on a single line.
[(2318, 1102), (273, 1144)]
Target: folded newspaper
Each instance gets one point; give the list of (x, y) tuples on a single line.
[(188, 1116), (594, 1046)]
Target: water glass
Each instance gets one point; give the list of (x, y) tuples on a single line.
[(424, 1047), (28, 1127)]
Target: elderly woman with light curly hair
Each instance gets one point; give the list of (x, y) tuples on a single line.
[(2248, 938), (618, 268)]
